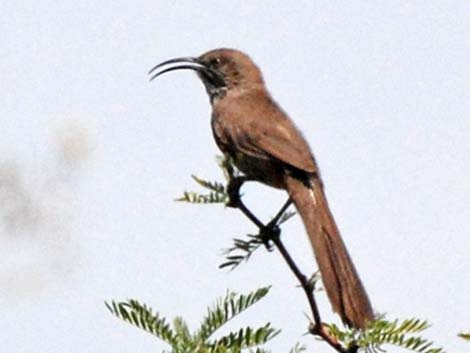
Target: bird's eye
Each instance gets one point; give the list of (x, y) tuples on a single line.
[(215, 62)]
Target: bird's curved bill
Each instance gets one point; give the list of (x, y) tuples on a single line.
[(187, 63)]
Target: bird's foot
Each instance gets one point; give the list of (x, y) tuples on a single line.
[(270, 233), (233, 191)]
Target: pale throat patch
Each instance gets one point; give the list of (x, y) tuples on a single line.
[(217, 93)]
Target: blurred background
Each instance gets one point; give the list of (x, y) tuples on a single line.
[(92, 157)]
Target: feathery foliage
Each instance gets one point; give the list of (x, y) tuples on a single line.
[(217, 190), (241, 251), (465, 336), (403, 334), (247, 337), (227, 308), (181, 340), (298, 348), (142, 316), (228, 168), (216, 194), (286, 216)]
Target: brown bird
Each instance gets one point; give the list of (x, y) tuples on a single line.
[(250, 127)]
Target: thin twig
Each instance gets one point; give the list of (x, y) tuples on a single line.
[(317, 328), (271, 232), (241, 206), (281, 212), (302, 279)]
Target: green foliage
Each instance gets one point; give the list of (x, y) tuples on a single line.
[(241, 251), (217, 193), (286, 216), (227, 308), (217, 190), (142, 316), (246, 337), (298, 348), (380, 332), (465, 336), (228, 168), (181, 340), (405, 333)]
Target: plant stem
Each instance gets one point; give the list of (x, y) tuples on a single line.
[(271, 232)]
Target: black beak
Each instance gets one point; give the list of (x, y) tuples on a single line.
[(188, 63)]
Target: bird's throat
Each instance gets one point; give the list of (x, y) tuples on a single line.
[(216, 94)]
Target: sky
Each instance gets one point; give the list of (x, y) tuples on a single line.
[(92, 156)]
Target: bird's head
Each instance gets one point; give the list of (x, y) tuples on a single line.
[(220, 70)]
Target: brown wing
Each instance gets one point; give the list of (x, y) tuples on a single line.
[(264, 131)]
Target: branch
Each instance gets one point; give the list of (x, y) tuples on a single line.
[(377, 333), (272, 232)]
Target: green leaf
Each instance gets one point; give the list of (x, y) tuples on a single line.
[(217, 193), (211, 185), (141, 316), (181, 329), (227, 308), (241, 251), (286, 216), (248, 337), (182, 340), (465, 336), (258, 350), (196, 198), (403, 334), (298, 348)]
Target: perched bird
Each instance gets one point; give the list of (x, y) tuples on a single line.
[(263, 142)]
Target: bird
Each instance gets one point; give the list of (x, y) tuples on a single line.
[(251, 129)]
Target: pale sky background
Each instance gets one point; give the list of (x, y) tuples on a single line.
[(92, 156)]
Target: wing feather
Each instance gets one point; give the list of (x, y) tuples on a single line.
[(274, 138)]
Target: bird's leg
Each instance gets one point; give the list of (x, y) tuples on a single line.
[(280, 213), (233, 191), (271, 231), (267, 232)]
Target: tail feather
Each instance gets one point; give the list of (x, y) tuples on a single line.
[(340, 279)]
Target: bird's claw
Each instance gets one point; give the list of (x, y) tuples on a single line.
[(269, 234), (233, 192)]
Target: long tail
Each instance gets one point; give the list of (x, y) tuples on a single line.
[(340, 279)]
